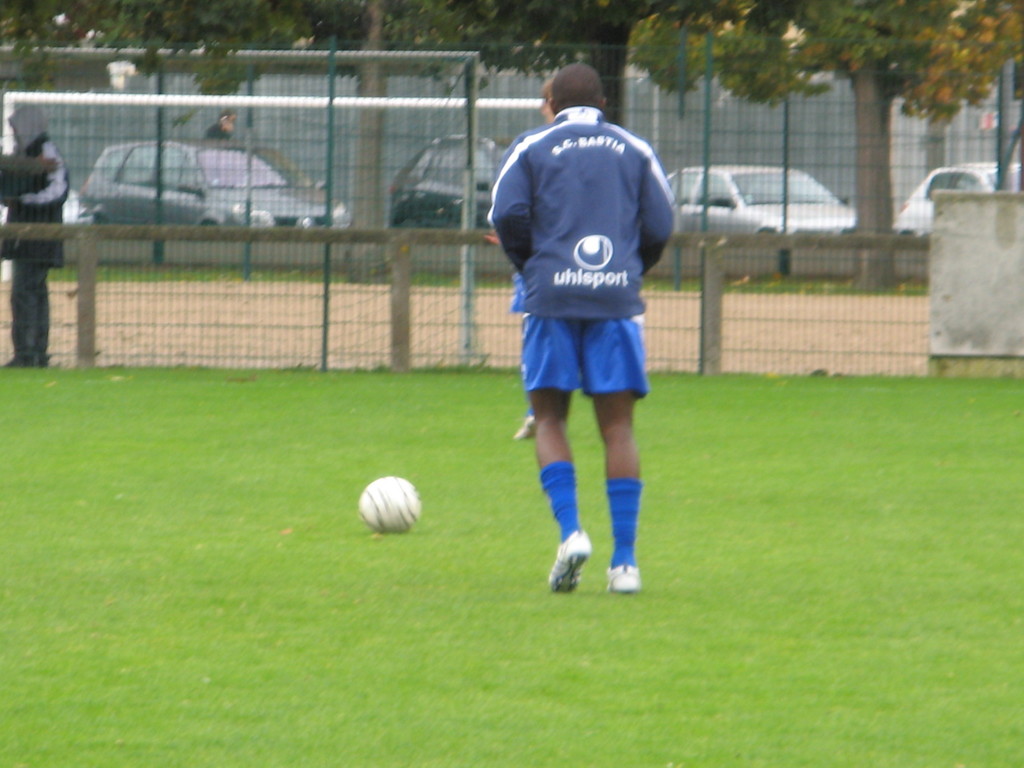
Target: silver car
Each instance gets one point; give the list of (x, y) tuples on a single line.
[(916, 214), (756, 198), (203, 182)]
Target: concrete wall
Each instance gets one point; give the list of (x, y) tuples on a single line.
[(977, 285)]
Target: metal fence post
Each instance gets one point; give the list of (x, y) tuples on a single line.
[(328, 203), (159, 250), (467, 253), (250, 90), (86, 305), (785, 254)]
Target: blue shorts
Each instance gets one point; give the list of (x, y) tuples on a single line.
[(597, 356)]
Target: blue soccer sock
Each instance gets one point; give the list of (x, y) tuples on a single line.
[(624, 505), (558, 480)]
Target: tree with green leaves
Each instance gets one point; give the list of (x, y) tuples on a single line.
[(935, 55), (217, 27), (26, 25), (537, 36)]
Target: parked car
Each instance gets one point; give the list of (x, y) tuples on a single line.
[(203, 182), (429, 190), (754, 198), (73, 209), (915, 215)]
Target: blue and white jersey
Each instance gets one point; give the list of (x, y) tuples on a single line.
[(582, 207)]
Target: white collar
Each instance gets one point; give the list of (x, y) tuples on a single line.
[(591, 115)]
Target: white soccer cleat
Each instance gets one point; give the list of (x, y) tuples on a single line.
[(528, 430), (572, 554), (624, 580)]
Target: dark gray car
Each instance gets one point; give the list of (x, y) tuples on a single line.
[(203, 182), (429, 190)]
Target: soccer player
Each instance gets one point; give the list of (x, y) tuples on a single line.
[(583, 209)]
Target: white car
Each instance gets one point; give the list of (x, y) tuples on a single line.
[(72, 208), (754, 198), (915, 215)]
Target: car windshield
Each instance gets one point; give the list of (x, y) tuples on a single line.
[(766, 189), (448, 161), (226, 169)]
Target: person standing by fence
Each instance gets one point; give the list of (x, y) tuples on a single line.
[(224, 128), (33, 259), (582, 209)]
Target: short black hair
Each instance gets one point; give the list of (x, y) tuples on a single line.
[(577, 85)]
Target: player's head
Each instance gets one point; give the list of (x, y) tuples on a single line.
[(576, 85), (545, 107)]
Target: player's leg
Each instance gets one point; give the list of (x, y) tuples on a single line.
[(622, 469), (550, 375), (615, 377), (558, 479), (614, 412), (528, 429), (551, 417), (554, 456), (529, 426)]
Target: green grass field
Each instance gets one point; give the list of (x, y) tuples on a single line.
[(832, 576)]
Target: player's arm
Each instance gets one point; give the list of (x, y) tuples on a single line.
[(510, 210), (656, 214)]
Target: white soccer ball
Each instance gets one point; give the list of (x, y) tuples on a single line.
[(390, 505)]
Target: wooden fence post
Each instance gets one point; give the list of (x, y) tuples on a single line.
[(401, 290), (87, 263), (712, 288)]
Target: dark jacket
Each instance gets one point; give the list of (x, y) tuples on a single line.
[(582, 208), (42, 205)]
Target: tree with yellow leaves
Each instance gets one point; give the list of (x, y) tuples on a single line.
[(935, 55)]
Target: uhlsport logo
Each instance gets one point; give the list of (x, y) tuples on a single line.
[(593, 252)]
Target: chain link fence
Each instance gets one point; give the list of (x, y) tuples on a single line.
[(293, 298), (364, 163)]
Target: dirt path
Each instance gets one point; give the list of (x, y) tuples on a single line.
[(278, 325)]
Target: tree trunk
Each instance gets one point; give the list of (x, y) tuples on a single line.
[(935, 146), (874, 177), (610, 62), (369, 204)]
